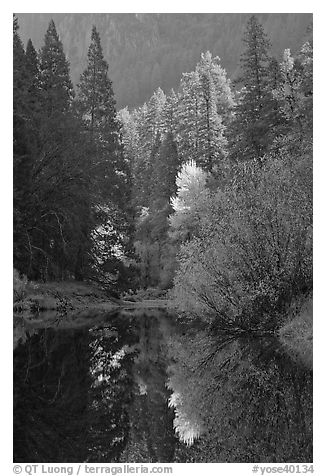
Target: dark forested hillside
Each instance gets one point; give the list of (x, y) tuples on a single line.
[(146, 51)]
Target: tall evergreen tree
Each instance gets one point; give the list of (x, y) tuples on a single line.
[(165, 170), (33, 78), (211, 134), (132, 152), (149, 126), (109, 170), (169, 113), (188, 116), (22, 160), (252, 124), (50, 99), (205, 106), (58, 194), (19, 68), (97, 106), (56, 87), (294, 91)]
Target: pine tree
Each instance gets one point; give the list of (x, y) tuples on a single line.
[(132, 152), (294, 91), (57, 200), (54, 170), (19, 68), (22, 160), (149, 127), (56, 87), (188, 117), (108, 168), (169, 113), (95, 94), (205, 106), (141, 160), (152, 126), (34, 112), (96, 104), (155, 164), (221, 84), (165, 170), (250, 130), (212, 142), (294, 97), (33, 77)]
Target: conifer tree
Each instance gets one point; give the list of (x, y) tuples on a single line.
[(141, 161), (165, 170), (212, 142), (154, 122), (149, 127), (293, 92), (33, 77), (19, 68), (57, 200), (56, 87), (22, 162), (188, 116), (109, 170), (97, 106), (132, 152), (169, 113), (250, 131), (205, 106), (224, 100)]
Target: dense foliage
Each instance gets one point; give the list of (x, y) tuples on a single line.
[(70, 176)]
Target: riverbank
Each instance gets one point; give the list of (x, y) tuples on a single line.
[(63, 296), (32, 298), (68, 296)]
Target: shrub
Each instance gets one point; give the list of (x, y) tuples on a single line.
[(253, 253), (20, 284)]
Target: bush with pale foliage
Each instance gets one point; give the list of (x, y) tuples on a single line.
[(189, 203), (253, 251)]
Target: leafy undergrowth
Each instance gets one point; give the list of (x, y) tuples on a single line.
[(60, 296), (297, 334), (145, 294)]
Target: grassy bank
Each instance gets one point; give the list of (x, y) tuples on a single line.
[(297, 334), (67, 296), (63, 296), (147, 294)]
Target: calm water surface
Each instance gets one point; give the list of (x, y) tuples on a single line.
[(138, 387)]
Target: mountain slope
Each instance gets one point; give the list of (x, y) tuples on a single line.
[(145, 51)]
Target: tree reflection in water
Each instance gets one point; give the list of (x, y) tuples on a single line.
[(152, 437), (248, 401), (72, 388), (114, 393)]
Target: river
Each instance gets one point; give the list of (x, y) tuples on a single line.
[(139, 386)]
